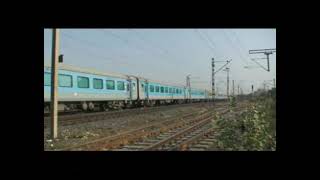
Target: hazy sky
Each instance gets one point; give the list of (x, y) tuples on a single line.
[(170, 54)]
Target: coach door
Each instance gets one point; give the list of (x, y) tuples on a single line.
[(146, 88), (134, 88), (143, 90), (129, 89)]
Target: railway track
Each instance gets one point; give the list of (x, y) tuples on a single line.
[(91, 117), (184, 127), (170, 140), (190, 131), (131, 136), (198, 136)]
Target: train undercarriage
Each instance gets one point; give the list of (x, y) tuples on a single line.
[(92, 106)]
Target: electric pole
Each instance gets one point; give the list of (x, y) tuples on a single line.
[(267, 52), (213, 90), (54, 84), (227, 69), (189, 85), (217, 91), (274, 82), (238, 90), (232, 87)]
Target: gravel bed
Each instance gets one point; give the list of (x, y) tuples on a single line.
[(85, 132)]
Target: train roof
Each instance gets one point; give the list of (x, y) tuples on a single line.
[(89, 70), (112, 74), (161, 82)]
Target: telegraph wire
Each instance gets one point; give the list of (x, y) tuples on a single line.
[(89, 43), (94, 54), (241, 57), (208, 45), (129, 45), (148, 42)]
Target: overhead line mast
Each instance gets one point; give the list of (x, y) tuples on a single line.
[(267, 52)]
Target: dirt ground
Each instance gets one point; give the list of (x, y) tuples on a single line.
[(85, 132)]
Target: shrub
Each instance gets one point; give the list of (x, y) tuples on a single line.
[(252, 130)]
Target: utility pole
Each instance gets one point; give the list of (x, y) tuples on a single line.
[(217, 91), (227, 69), (238, 90), (54, 84), (221, 68), (232, 87), (213, 90), (189, 85), (252, 89), (267, 52), (274, 82)]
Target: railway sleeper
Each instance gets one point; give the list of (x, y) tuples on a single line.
[(205, 142), (200, 146), (196, 149)]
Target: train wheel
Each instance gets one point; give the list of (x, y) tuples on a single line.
[(103, 107), (91, 106), (84, 106)]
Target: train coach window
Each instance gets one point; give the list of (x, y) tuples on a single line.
[(83, 82), (162, 89), (170, 90), (97, 83), (47, 79), (65, 80), (166, 90), (157, 88), (177, 91), (151, 88), (110, 84), (120, 85)]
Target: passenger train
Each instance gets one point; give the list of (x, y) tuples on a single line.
[(90, 90)]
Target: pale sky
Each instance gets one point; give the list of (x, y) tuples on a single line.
[(169, 55)]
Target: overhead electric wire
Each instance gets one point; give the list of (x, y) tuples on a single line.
[(110, 33), (212, 43), (128, 44), (222, 67), (234, 47), (95, 54), (148, 42), (126, 41), (241, 45), (89, 43), (100, 57), (259, 65), (164, 52), (207, 44)]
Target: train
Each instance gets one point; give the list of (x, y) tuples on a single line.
[(91, 90)]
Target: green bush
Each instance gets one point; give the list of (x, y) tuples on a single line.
[(232, 101), (255, 129)]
